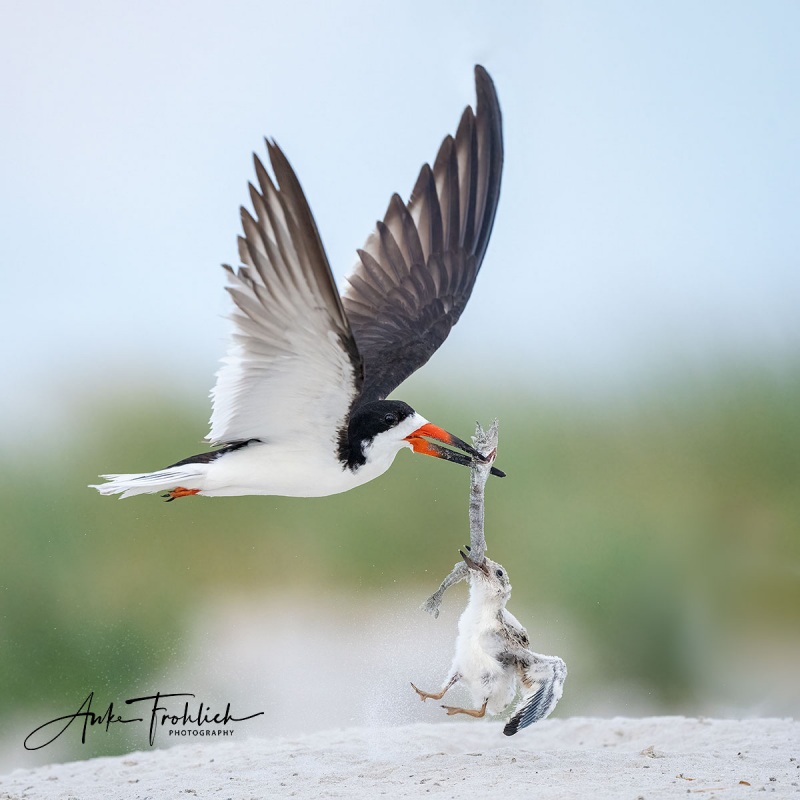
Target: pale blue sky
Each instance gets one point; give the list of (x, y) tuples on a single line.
[(650, 201)]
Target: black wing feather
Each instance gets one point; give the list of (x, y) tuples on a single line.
[(543, 677), (532, 711), (416, 272)]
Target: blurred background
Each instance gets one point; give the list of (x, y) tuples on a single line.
[(635, 328)]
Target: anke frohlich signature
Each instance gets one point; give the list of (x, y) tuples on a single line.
[(161, 710)]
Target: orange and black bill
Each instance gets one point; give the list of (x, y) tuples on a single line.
[(427, 448)]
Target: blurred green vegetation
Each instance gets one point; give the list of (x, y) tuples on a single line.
[(662, 526)]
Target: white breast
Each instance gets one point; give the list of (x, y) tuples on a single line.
[(282, 469), (477, 648)]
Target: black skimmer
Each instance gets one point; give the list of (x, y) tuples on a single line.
[(299, 407), (492, 657)]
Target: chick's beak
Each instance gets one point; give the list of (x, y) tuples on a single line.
[(420, 445), (474, 564)]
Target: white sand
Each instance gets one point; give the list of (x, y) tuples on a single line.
[(654, 757)]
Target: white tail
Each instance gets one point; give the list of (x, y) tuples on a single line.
[(189, 476)]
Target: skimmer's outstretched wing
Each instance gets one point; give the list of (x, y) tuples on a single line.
[(292, 370), (417, 270)]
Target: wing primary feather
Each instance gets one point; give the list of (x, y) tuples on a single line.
[(308, 228), (466, 152), (445, 174), (264, 264), (411, 241), (393, 219), (295, 268), (392, 255), (433, 210), (491, 122)]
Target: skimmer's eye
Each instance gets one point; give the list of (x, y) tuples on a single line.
[(499, 573)]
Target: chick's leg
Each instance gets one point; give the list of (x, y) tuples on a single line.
[(425, 695), (479, 713)]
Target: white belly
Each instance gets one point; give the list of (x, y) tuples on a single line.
[(475, 660), (283, 470)]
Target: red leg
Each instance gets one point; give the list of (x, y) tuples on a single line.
[(179, 491)]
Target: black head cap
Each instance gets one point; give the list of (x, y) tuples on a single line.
[(366, 422)]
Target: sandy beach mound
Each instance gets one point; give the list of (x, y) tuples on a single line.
[(648, 758)]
